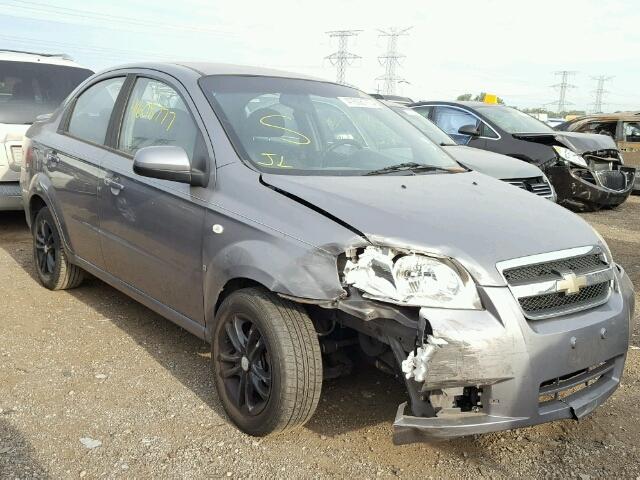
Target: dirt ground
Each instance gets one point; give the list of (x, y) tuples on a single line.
[(92, 368)]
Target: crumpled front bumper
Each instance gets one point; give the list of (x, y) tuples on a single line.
[(530, 372), (574, 184)]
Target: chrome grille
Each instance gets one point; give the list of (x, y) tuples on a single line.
[(550, 270), (536, 185), (551, 302), (559, 283)]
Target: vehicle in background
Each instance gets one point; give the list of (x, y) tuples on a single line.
[(392, 98), (31, 84), (289, 221), (623, 127), (586, 170), (516, 172), (554, 122)]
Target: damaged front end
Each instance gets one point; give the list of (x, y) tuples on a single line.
[(599, 180), (471, 357), (589, 172)]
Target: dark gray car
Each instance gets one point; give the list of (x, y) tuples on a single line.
[(515, 172), (232, 201)]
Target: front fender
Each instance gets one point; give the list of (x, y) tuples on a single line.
[(280, 263)]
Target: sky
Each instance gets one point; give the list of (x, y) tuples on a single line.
[(509, 48)]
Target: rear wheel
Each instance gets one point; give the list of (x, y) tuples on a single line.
[(266, 362), (53, 268)]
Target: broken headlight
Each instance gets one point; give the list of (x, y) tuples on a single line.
[(407, 278), (570, 156)]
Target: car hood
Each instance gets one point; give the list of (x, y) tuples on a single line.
[(577, 142), (467, 216), (493, 164)]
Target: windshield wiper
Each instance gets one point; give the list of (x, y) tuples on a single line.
[(406, 166)]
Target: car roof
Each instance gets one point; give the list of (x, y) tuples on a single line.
[(470, 104), (631, 116), (35, 57), (205, 68)]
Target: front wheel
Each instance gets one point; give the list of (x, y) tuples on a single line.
[(54, 269), (266, 362)]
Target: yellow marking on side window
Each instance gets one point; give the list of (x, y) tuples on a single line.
[(301, 138), (154, 112)]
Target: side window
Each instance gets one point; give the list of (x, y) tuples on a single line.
[(156, 115), (632, 131), (451, 119), (92, 110), (487, 131), (601, 128)]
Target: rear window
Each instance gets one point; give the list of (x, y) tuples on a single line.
[(30, 89)]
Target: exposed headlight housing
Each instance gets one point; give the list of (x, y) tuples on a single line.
[(570, 156), (408, 278)]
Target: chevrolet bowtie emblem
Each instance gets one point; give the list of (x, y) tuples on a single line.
[(570, 283)]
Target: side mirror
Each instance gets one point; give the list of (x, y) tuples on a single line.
[(165, 162), (470, 130)]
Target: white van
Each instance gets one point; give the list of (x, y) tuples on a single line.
[(31, 84)]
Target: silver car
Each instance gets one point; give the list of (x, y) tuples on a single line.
[(236, 202)]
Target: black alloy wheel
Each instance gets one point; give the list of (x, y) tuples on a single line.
[(266, 361), (245, 364), (54, 269), (46, 248)]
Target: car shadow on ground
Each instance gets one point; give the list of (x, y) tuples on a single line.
[(364, 398), (17, 457)]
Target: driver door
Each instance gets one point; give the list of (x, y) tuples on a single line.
[(450, 119)]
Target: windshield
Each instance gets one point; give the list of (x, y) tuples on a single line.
[(514, 121), (304, 127), (427, 127), (29, 89)]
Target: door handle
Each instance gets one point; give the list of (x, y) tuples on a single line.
[(113, 185), (52, 160)]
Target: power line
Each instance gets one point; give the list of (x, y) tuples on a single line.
[(111, 53), (342, 58), (563, 86), (599, 91), (391, 60), (89, 15)]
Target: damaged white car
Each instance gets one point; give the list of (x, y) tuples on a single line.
[(286, 219)]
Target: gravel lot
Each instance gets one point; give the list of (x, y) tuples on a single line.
[(93, 384)]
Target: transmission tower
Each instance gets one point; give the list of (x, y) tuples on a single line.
[(599, 91), (391, 60), (563, 86), (342, 58)]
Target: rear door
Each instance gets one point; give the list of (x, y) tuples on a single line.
[(629, 143), (152, 229), (72, 163)]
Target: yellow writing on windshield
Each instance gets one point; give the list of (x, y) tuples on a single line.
[(273, 161), (298, 139), (154, 112)]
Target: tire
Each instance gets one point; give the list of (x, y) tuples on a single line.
[(268, 376), (52, 265)]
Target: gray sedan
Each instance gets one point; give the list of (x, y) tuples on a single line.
[(242, 205)]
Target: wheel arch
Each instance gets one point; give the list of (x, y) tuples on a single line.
[(40, 196)]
